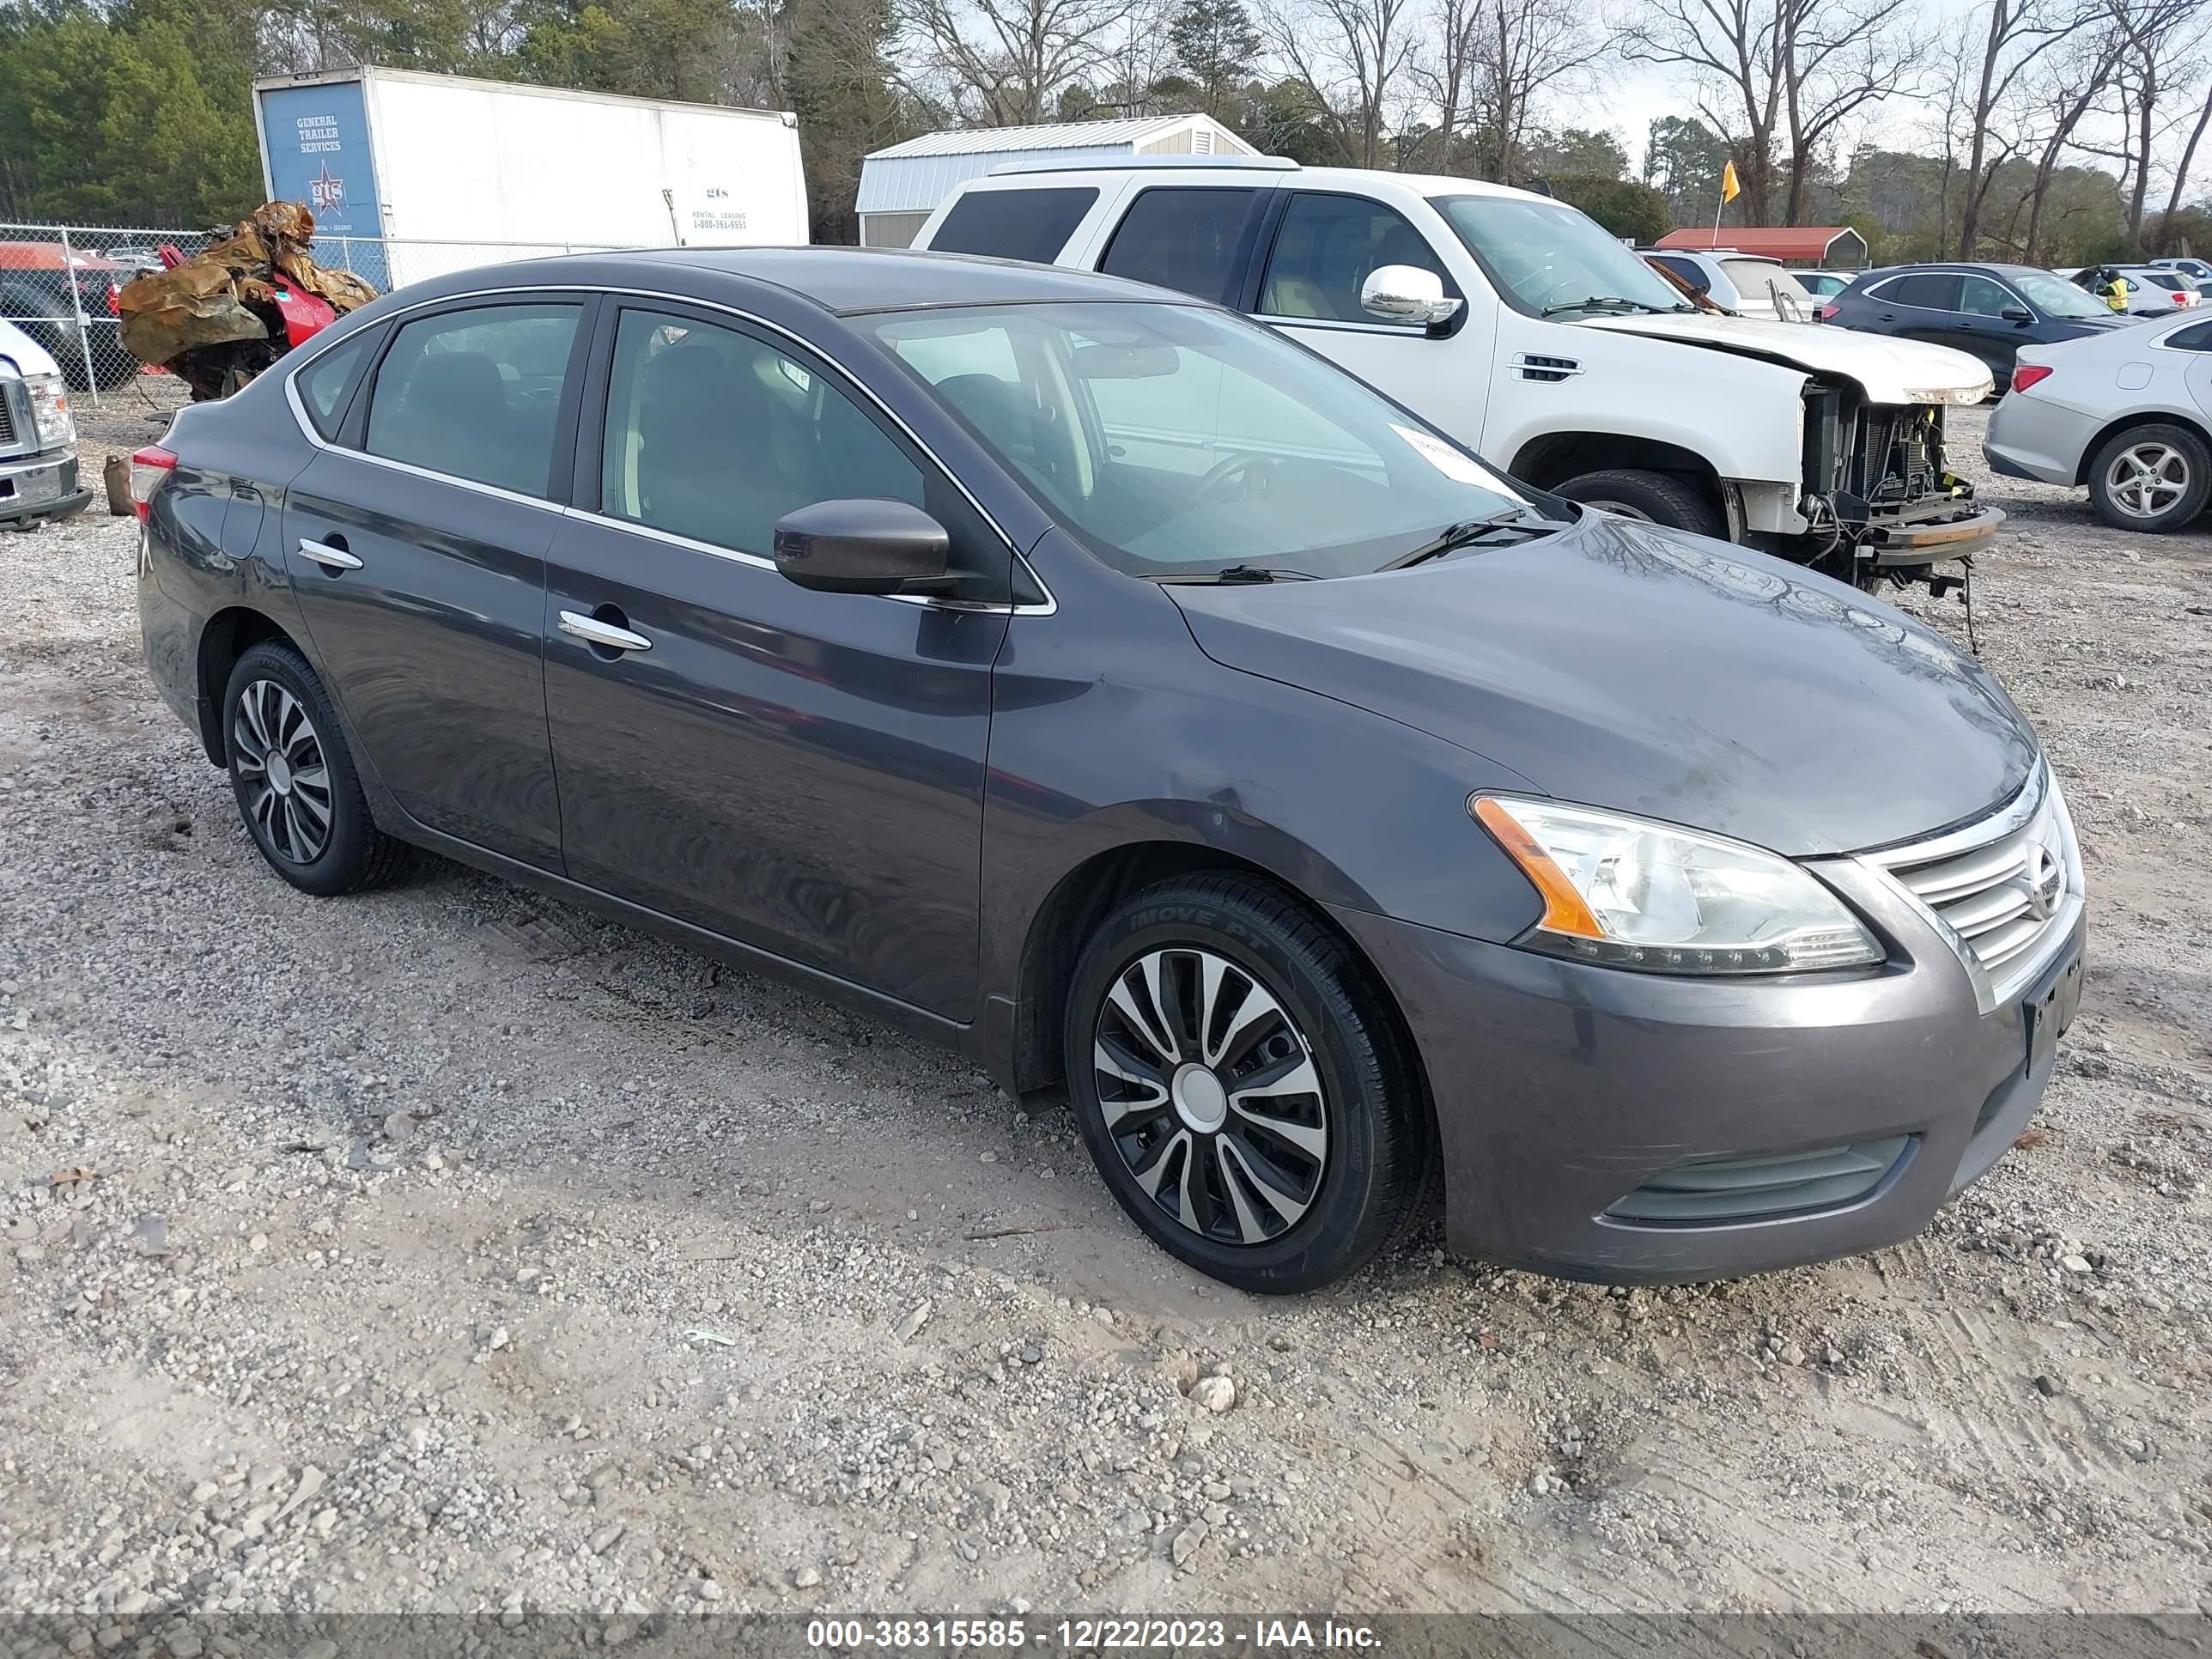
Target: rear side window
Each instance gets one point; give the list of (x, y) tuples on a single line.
[(2195, 337), (1932, 290), (1185, 239), (1014, 224), (1327, 246), (326, 383), (476, 393)]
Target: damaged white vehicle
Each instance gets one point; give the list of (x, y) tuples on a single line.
[(1517, 323)]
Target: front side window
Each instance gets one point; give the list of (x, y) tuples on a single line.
[(1326, 249), (1177, 441), (715, 435), (1549, 259), (476, 393), (1980, 297), (1187, 240), (1014, 224)]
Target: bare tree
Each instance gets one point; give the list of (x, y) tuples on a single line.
[(1446, 74), (2154, 44), (1004, 62), (1524, 51), (1733, 51), (2072, 81), (1779, 77), (2015, 35), (2181, 171), (1143, 52), (1353, 54)]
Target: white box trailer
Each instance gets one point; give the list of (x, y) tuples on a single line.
[(412, 175)]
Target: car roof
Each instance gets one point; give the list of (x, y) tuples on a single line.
[(1257, 172), (1983, 267), (842, 280)]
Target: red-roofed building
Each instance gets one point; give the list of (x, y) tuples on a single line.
[(1829, 247)]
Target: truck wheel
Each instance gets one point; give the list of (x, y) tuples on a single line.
[(2150, 478), (1661, 498)]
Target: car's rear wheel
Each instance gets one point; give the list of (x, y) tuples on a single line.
[(1241, 1086), (294, 780), (1660, 498), (2150, 478)]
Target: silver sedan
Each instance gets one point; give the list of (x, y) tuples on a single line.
[(2125, 412)]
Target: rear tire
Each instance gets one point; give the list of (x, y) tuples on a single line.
[(1241, 1086), (1660, 498), (294, 778), (2152, 477)]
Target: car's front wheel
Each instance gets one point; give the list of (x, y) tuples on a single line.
[(2150, 478), (294, 780), (1661, 498), (1241, 1086)]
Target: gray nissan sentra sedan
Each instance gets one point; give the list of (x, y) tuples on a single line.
[(1093, 680)]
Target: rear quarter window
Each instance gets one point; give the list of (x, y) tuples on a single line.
[(1014, 224)]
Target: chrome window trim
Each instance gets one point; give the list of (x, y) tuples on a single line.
[(1048, 606), (2040, 790)]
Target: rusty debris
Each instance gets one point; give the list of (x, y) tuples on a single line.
[(220, 318)]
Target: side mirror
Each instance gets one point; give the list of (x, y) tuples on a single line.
[(2017, 315), (862, 547), (1406, 293)]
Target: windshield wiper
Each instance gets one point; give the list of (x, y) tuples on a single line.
[(1467, 531), (1237, 573), (1597, 299)]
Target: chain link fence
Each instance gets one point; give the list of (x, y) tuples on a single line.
[(58, 283)]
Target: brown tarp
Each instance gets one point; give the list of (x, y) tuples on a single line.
[(212, 319)]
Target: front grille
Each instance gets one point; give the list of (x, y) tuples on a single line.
[(2009, 887), (7, 414), (1718, 1190)]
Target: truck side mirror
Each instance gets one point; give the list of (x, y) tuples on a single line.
[(1406, 293)]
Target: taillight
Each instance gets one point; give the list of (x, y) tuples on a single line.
[(1824, 313), (2024, 376), (149, 466)]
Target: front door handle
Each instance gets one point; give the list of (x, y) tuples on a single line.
[(592, 631), (330, 558)]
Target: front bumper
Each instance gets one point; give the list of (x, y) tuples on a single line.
[(1586, 1114), (38, 488), (1927, 542)]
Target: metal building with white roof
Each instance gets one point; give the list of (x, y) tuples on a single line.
[(902, 185)]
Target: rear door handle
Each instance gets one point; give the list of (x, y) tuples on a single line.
[(592, 631), (330, 558)]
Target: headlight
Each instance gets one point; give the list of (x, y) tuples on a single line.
[(1629, 893), (50, 411)]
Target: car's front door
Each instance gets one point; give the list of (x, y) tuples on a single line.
[(1981, 326), (801, 771), (1323, 250), (416, 543)]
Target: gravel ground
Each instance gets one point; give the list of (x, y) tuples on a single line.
[(445, 1249)]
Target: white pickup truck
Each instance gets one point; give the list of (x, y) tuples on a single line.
[(1517, 324), (38, 458)]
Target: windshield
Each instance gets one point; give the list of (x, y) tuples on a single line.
[(1547, 258), (1177, 441), (2055, 296)]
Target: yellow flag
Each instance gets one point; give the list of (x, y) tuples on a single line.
[(1729, 189)]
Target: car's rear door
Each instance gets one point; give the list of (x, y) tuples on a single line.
[(801, 771), (417, 544), (1918, 305)]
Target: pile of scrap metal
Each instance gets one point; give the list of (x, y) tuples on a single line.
[(220, 318)]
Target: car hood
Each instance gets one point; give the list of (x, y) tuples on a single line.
[(28, 355), (1888, 371), (1617, 664)]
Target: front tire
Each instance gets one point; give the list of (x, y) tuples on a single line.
[(1241, 1086), (294, 778), (2152, 477), (1660, 498)]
